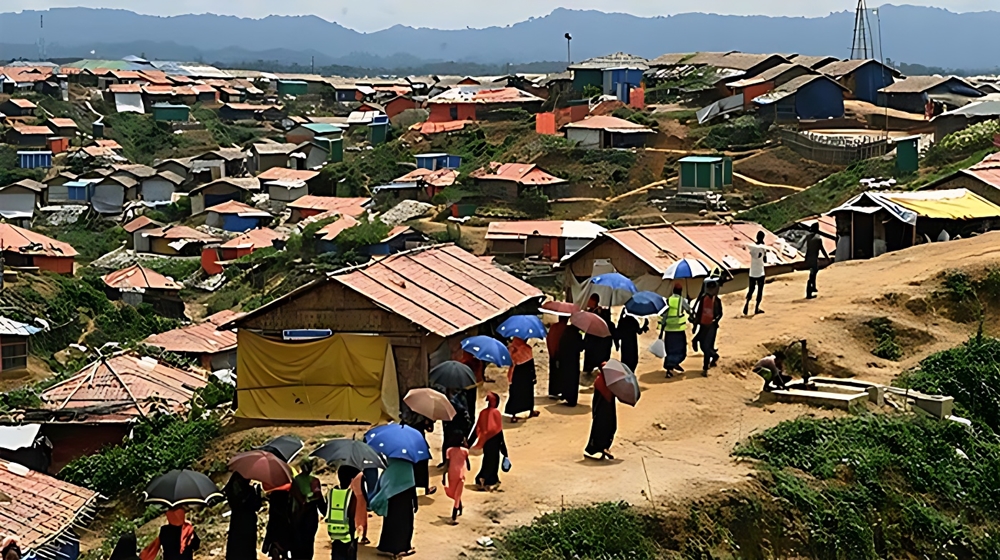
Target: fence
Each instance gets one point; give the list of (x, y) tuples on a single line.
[(831, 149)]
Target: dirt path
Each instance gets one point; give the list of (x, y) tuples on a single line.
[(675, 445), (753, 181)]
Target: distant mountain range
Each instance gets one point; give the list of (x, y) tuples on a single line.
[(928, 36)]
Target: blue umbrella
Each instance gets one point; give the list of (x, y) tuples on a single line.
[(524, 327), (396, 441), (686, 268), (614, 289), (644, 304), (488, 349)]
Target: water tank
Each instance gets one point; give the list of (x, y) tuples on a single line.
[(98, 130)]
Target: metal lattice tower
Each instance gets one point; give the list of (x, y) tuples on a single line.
[(862, 47)]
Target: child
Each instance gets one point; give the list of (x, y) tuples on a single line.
[(772, 369), (453, 479)]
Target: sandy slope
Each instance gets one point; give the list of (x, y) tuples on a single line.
[(675, 444)]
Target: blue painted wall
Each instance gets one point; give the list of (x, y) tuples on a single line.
[(232, 222), (869, 79), (819, 99)]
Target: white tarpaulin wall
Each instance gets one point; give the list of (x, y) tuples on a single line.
[(108, 199), (14, 204), (156, 192), (129, 103)]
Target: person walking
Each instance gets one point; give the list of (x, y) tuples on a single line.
[(456, 429), (772, 369), (706, 315), (341, 516), (603, 423), (488, 436), (570, 347), (278, 534), (814, 246), (597, 350), (307, 506), (177, 539), (552, 344), (627, 336), (758, 255), (395, 500), (673, 331), (421, 469), (453, 478), (522, 379), (125, 548), (245, 501)]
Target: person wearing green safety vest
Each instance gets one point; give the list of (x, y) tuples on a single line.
[(673, 331), (341, 505)]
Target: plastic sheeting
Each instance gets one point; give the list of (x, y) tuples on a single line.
[(15, 204), (129, 103), (344, 378), (108, 199)]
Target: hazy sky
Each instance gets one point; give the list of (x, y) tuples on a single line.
[(372, 15)]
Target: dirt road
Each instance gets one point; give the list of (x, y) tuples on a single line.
[(675, 445)]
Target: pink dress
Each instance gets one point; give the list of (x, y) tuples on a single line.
[(457, 456), (361, 511)]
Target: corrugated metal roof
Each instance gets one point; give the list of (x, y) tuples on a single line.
[(527, 174), (63, 123), (544, 228), (274, 148), (616, 60), (243, 183), (283, 174), (607, 122), (20, 240), (139, 223), (180, 232), (333, 229), (253, 239), (483, 95), (919, 84), (137, 277), (238, 208), (348, 206), (137, 383), (202, 338), (32, 130), (41, 508), (444, 290), (842, 68)]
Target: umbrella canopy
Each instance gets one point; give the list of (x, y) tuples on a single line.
[(396, 441), (352, 453), (686, 268), (524, 327), (285, 448), (644, 304), (262, 466), (430, 403), (488, 349), (178, 488), (559, 308), (613, 288), (621, 381), (452, 375), (590, 324)]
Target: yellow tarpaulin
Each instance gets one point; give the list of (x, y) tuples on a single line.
[(345, 378), (955, 204)]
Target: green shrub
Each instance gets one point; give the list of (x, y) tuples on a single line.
[(128, 325), (141, 138), (225, 134), (532, 203), (10, 172), (173, 212), (607, 531), (886, 346), (179, 269), (958, 145), (742, 131), (91, 240), (159, 444), (367, 232)]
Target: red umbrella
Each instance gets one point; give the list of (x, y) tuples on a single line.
[(263, 467), (590, 324), (562, 308), (621, 381)]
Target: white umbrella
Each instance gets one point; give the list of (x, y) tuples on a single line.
[(685, 269)]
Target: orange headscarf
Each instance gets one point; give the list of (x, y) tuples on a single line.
[(520, 353), (175, 517), (490, 421)]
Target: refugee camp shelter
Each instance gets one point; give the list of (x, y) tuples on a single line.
[(64, 128), (507, 180), (286, 185), (97, 406), (18, 107), (23, 248), (703, 174), (236, 216), (310, 131), (137, 284), (550, 240), (25, 445), (108, 194), (605, 131), (807, 97), (614, 74), (394, 318), (133, 228), (247, 243), (75, 193), (28, 135), (166, 112), (874, 223), (982, 178), (862, 78), (435, 161), (222, 190), (43, 512), (14, 347), (19, 200), (470, 103), (314, 205), (419, 184), (177, 241), (913, 93), (213, 349), (645, 253), (268, 155)]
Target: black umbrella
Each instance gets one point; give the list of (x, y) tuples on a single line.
[(283, 447), (452, 375), (177, 488), (352, 453)]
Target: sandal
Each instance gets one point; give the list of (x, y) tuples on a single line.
[(431, 491), (606, 455), (534, 414)]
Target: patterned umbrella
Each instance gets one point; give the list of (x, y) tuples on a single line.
[(488, 349), (524, 327)]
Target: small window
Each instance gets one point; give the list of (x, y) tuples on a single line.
[(14, 356), (454, 113)]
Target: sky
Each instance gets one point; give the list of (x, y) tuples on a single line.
[(372, 15)]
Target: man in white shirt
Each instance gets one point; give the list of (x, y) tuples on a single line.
[(758, 254)]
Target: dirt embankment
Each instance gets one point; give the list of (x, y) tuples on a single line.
[(782, 166)]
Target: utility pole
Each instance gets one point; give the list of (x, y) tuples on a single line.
[(862, 42), (569, 51), (313, 65)]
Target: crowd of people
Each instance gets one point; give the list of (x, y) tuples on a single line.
[(295, 510)]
